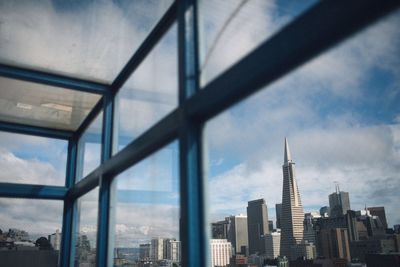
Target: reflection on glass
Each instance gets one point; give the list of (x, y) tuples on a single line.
[(30, 232), (89, 148), (335, 176), (145, 214), (150, 93), (86, 230), (231, 29), (32, 160), (42, 105), (86, 39)]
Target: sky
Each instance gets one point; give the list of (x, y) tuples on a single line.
[(339, 113)]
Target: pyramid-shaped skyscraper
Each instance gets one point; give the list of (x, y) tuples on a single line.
[(292, 216)]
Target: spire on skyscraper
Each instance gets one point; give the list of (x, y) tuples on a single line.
[(288, 156)]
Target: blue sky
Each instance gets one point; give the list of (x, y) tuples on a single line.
[(340, 112)]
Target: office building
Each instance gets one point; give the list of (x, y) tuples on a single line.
[(334, 243), (257, 225), (157, 249), (237, 233), (310, 219), (219, 230), (278, 211), (339, 203), (380, 212), (272, 245), (173, 250), (221, 252), (292, 218)]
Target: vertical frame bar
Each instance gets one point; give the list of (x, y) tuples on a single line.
[(68, 215), (193, 216), (104, 256)]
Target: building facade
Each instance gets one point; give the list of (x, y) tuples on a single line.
[(257, 225), (272, 245), (221, 252), (339, 203), (278, 211), (237, 233)]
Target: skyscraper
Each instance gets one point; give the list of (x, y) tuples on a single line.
[(278, 210), (237, 233), (339, 202), (380, 212), (292, 216), (257, 225)]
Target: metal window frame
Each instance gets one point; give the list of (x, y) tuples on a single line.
[(325, 24)]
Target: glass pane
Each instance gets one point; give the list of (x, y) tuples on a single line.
[(86, 230), (89, 148), (85, 39), (229, 30), (32, 160), (30, 232), (145, 214), (150, 93), (335, 176), (42, 105)]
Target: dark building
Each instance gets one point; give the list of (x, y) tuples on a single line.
[(359, 249), (219, 230), (380, 212), (278, 210), (339, 203), (257, 225), (379, 260), (334, 243)]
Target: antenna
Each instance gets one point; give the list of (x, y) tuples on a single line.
[(337, 187)]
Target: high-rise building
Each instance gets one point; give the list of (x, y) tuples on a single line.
[(237, 233), (278, 210), (292, 217), (339, 203), (272, 245), (257, 225), (310, 219), (334, 243), (173, 250), (157, 249), (380, 212), (219, 230), (221, 252)]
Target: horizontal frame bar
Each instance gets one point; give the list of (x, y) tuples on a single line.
[(156, 137), (163, 25), (35, 130), (53, 79), (89, 118), (32, 191), (318, 29)]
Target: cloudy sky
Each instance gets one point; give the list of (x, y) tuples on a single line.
[(339, 112)]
